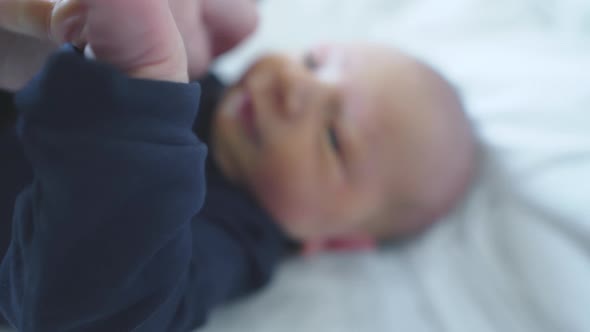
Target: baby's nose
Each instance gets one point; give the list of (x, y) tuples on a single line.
[(293, 88)]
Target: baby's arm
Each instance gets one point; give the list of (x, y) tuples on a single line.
[(102, 238), (105, 239)]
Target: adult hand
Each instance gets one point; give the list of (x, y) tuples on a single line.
[(207, 28)]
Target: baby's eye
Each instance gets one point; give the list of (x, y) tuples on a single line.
[(311, 62), (333, 139)]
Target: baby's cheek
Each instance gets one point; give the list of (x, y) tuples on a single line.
[(290, 204)]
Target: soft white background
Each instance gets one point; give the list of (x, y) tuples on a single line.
[(516, 255)]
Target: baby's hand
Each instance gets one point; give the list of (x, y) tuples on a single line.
[(140, 37), (147, 39)]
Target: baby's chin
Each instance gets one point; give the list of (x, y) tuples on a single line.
[(296, 223), (309, 226)]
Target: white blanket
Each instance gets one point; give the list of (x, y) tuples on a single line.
[(516, 255)]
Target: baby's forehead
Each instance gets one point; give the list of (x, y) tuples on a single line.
[(375, 125), (380, 94), (382, 119), (379, 89), (370, 104)]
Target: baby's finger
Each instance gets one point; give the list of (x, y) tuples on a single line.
[(27, 17), (140, 37), (68, 22)]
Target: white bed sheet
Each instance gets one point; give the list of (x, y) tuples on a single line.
[(516, 255)]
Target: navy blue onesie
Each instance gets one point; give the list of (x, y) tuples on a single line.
[(123, 222)]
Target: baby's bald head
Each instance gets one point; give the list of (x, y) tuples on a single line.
[(430, 148), (347, 141)]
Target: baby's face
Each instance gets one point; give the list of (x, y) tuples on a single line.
[(317, 138)]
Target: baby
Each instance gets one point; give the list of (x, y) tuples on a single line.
[(346, 144), (130, 225)]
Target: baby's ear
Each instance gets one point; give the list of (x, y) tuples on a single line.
[(338, 244)]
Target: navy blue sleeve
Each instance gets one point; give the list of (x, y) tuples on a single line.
[(102, 239), (15, 175)]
